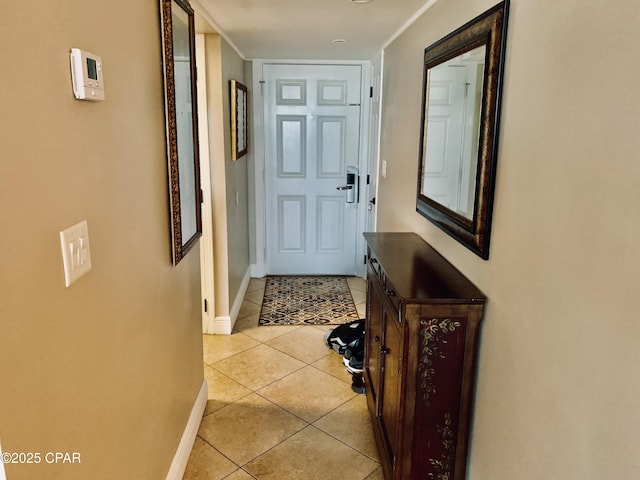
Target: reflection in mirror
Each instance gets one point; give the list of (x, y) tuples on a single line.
[(462, 90), (181, 121), (184, 120), (452, 131)]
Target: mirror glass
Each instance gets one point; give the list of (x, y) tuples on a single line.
[(181, 121), (462, 90), (184, 120), (452, 131)]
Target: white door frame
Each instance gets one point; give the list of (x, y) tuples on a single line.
[(258, 268), (206, 241), (377, 69)]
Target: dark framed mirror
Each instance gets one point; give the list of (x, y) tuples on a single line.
[(178, 53), (460, 122)]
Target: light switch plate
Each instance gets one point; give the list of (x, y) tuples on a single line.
[(76, 254)]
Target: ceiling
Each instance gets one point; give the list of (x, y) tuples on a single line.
[(306, 29)]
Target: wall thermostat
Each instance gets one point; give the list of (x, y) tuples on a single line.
[(86, 73)]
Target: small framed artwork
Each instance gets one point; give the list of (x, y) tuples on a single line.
[(238, 120)]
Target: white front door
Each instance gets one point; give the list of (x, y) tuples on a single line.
[(312, 135)]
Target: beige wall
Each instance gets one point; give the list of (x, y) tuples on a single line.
[(111, 366), (558, 382)]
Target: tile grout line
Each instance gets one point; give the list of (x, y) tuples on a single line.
[(222, 454)]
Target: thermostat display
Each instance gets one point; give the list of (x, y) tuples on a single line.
[(92, 69), (86, 73)]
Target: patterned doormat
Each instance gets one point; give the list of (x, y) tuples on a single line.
[(307, 301)]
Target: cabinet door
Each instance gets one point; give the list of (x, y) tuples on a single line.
[(373, 329), (391, 374), (438, 408)]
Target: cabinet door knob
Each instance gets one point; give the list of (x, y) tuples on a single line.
[(376, 339), (384, 351)]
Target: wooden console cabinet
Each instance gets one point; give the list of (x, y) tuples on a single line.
[(423, 318)]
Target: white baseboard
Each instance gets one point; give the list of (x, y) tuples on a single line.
[(242, 291), (181, 458), (257, 270), (223, 323), (2, 474)]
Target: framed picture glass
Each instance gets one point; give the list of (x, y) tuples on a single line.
[(238, 120)]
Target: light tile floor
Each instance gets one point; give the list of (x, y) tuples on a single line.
[(280, 404)]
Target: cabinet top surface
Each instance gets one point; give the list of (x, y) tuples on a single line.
[(418, 271)]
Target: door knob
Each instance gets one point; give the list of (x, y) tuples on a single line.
[(346, 187)]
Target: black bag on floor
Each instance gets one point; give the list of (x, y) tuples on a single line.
[(346, 336)]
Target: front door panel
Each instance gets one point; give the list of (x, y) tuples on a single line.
[(312, 130)]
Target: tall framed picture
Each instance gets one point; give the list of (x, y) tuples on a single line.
[(238, 120)]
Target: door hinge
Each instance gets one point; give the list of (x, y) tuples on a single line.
[(365, 259), (370, 92), (368, 179), (262, 82), (206, 306)]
